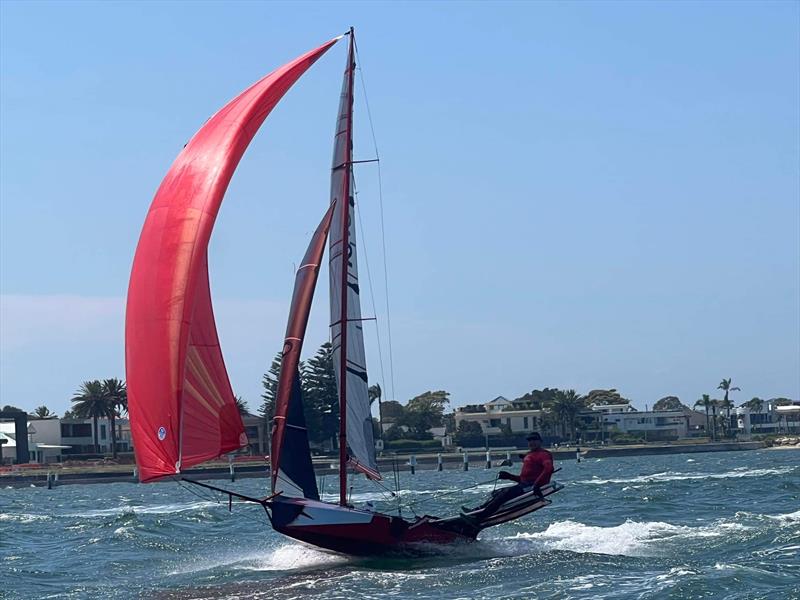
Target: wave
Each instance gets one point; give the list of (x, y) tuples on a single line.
[(631, 538), (289, 557), (159, 509), (675, 476), (23, 517)]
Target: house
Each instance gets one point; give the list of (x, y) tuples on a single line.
[(771, 419), (650, 425), (492, 416)]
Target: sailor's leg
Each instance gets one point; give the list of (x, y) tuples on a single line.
[(499, 499)]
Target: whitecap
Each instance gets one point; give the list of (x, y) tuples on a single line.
[(160, 509), (23, 517), (666, 476), (631, 538)]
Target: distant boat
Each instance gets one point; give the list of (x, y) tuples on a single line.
[(182, 408)]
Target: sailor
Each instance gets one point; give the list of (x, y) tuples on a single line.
[(537, 468)]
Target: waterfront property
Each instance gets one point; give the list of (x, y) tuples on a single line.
[(767, 419), (519, 417)]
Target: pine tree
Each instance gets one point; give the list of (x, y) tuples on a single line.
[(320, 396), (270, 383)]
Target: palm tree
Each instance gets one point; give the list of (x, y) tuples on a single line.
[(42, 412), (116, 394), (90, 402), (566, 406), (375, 393), (725, 385), (241, 405), (705, 402)]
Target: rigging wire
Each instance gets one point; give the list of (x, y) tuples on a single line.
[(371, 290), (208, 497), (383, 227)]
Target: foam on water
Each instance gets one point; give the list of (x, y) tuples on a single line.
[(631, 538), (161, 509), (675, 476), (22, 517)]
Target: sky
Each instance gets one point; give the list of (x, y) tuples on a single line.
[(575, 195)]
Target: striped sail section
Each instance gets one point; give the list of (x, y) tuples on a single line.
[(360, 442)]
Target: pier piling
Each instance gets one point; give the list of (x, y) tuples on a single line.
[(466, 462), (488, 460), (413, 462), (439, 462)]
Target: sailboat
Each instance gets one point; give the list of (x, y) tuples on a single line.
[(181, 404)]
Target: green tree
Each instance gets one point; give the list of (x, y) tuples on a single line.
[(780, 401), (321, 396), (536, 399), (42, 412), (566, 407), (469, 433), (269, 396), (375, 393), (726, 404), (116, 396), (705, 402), (605, 397), (669, 403), (241, 406), (754, 405), (393, 411), (9, 408), (425, 411), (90, 402)]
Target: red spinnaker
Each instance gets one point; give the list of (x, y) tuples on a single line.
[(182, 409)]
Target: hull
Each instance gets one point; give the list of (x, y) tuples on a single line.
[(361, 532)]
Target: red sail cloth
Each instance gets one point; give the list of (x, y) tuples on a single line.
[(181, 406), (305, 283)]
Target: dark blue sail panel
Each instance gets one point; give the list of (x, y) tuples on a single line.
[(296, 465)]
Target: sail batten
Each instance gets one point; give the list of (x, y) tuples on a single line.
[(181, 403)]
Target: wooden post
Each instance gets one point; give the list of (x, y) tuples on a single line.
[(488, 460), (466, 462), (439, 462), (230, 466), (413, 463), (508, 458), (49, 480)]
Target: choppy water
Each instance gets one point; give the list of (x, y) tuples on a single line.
[(723, 525)]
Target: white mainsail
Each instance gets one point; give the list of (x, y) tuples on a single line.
[(360, 442)]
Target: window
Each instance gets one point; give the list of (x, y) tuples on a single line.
[(494, 422), (102, 432), (74, 430), (525, 422)]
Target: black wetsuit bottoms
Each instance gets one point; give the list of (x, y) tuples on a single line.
[(499, 498)]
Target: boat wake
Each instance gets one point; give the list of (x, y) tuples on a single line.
[(288, 557)]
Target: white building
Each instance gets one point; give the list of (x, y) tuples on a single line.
[(492, 415), (771, 419)]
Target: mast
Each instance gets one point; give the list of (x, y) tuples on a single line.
[(345, 253)]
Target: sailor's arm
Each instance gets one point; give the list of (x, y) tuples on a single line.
[(546, 463)]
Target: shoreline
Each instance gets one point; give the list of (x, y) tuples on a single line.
[(55, 476)]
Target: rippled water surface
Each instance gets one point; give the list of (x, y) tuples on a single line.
[(723, 525)]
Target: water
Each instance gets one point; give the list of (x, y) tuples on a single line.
[(724, 525)]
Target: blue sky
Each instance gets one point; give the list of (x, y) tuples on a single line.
[(576, 195)]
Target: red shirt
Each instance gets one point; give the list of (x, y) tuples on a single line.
[(537, 467)]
